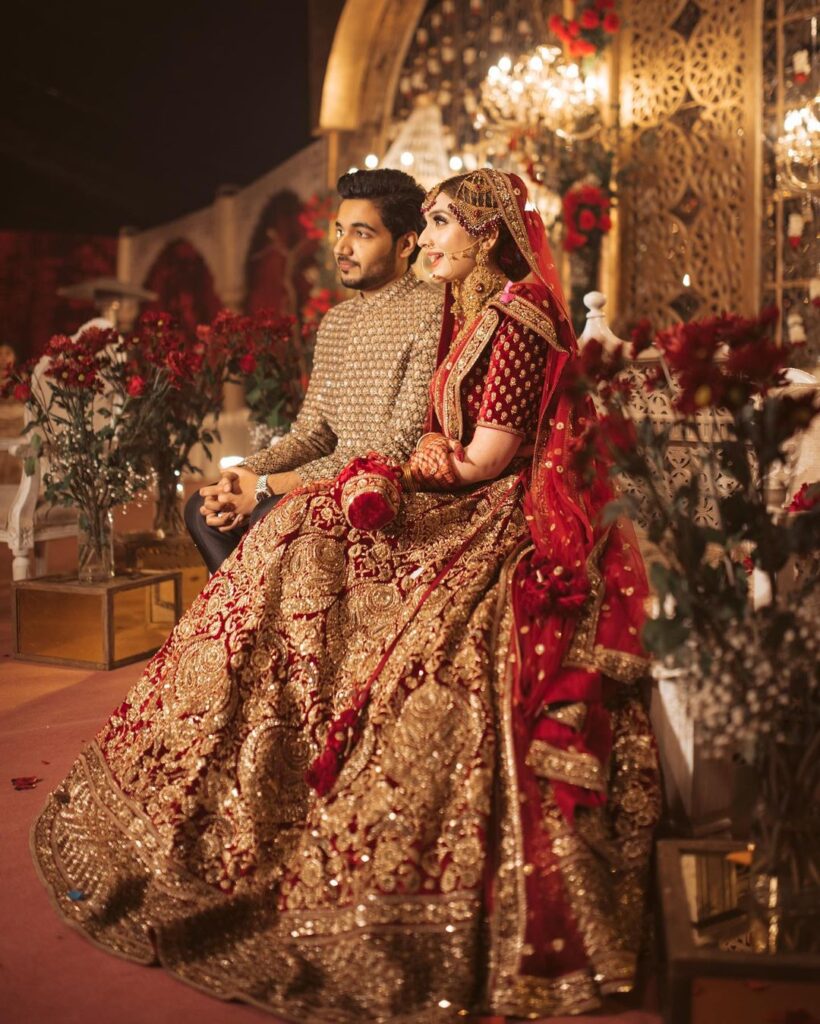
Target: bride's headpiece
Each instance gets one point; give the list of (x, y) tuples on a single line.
[(487, 197)]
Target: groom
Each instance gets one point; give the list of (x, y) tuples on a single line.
[(374, 358)]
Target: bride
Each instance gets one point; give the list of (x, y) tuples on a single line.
[(398, 775)]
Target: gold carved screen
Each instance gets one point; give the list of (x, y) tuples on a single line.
[(689, 161)]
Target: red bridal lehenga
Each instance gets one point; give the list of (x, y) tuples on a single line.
[(484, 839)]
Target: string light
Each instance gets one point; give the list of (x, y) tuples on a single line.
[(407, 159), (371, 161)]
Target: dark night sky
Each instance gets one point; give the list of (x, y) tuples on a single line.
[(134, 112)]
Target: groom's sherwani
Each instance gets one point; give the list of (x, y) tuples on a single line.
[(374, 358)]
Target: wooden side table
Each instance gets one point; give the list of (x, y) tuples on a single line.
[(60, 621), (707, 936)]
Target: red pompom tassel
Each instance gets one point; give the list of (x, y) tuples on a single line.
[(368, 491)]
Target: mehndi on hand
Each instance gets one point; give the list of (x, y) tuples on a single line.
[(431, 466)]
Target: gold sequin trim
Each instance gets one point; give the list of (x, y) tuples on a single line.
[(575, 767), (530, 316)]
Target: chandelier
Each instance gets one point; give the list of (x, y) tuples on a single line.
[(798, 148), (541, 93)]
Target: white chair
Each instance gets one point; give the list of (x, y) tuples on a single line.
[(26, 519)]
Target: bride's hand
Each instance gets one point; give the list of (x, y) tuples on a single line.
[(431, 464)]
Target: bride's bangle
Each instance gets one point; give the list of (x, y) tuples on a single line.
[(407, 479), (425, 439)]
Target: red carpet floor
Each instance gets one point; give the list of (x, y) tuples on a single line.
[(48, 973)]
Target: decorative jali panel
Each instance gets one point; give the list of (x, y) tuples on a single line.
[(689, 163), (684, 454)]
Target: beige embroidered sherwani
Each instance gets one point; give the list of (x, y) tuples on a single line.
[(374, 358)]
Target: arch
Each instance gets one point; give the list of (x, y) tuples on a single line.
[(277, 256), (184, 284), (368, 48)]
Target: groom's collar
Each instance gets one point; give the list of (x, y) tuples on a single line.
[(389, 291)]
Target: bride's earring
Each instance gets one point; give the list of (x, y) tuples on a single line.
[(477, 288)]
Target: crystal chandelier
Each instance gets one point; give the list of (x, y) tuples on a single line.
[(798, 148), (540, 93)]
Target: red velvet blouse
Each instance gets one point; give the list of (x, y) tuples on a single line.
[(502, 388)]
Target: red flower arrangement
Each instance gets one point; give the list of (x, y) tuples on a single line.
[(751, 365), (315, 216), (263, 352), (749, 669), (586, 215), (91, 420), (192, 369), (590, 31)]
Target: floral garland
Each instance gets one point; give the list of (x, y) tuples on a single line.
[(590, 31)]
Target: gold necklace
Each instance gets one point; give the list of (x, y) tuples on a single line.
[(475, 291)]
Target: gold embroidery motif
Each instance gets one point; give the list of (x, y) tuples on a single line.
[(502, 427), (530, 316), (450, 416), (574, 715), (579, 769)]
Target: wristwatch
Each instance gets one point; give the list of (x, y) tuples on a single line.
[(262, 490)]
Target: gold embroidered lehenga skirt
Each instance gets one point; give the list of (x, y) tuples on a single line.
[(187, 833)]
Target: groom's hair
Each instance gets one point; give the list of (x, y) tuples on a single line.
[(397, 196)]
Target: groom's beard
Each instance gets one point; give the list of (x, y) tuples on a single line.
[(373, 276)]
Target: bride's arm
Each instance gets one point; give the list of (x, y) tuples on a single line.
[(442, 464), (486, 456)]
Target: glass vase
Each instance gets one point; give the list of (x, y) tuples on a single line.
[(168, 516), (96, 545)]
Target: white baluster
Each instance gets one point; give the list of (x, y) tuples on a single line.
[(596, 325)]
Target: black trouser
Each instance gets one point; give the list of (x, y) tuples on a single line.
[(213, 545)]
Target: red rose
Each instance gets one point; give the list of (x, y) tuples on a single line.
[(590, 19), (247, 364), (22, 392), (556, 24), (586, 220), (580, 48), (574, 240), (611, 23), (604, 222), (573, 29), (642, 335), (135, 386)]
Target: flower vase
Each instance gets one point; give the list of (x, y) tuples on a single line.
[(168, 517), (95, 545)]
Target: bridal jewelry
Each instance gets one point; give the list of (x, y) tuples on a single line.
[(478, 287)]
